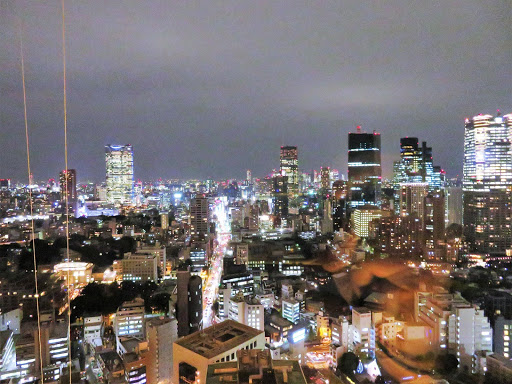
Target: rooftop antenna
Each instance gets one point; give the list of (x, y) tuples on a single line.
[(358, 129)]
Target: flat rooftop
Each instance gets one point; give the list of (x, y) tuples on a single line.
[(252, 363), (218, 338), (130, 343)]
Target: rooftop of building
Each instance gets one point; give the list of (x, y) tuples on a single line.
[(157, 321), (361, 310), (251, 300), (218, 338), (137, 302), (376, 298), (446, 301), (280, 321), (256, 366), (289, 300), (130, 343), (112, 360), (131, 359)]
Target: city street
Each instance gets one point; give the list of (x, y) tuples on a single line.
[(215, 270)]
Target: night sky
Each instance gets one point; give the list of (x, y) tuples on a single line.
[(211, 88)]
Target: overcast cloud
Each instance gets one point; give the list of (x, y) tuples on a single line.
[(212, 88)]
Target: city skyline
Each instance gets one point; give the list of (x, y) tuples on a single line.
[(248, 79)]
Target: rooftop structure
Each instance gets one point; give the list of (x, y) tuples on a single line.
[(256, 367), (218, 339), (218, 343)]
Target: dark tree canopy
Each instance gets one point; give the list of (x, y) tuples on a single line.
[(446, 363), (348, 363)]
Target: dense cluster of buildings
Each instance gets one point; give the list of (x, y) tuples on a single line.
[(247, 268)]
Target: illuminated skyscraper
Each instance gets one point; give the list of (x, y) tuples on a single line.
[(364, 169), (289, 166), (415, 164), (119, 161), (487, 183), (70, 188)]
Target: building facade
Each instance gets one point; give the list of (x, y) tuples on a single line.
[(289, 167), (487, 184), (364, 168), (120, 183)]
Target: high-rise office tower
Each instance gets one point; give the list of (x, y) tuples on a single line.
[(68, 185), (409, 166), (199, 216), (364, 168), (280, 196), (416, 165), (435, 222), (487, 184), (325, 178), (289, 167), (119, 161), (189, 308)]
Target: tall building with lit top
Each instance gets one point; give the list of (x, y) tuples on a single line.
[(487, 183), (289, 166), (120, 185), (415, 166), (364, 168)]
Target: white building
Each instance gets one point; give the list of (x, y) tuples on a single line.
[(266, 299), (129, 319), (364, 333), (11, 320), (435, 312), (93, 327), (386, 328), (291, 310), (80, 273), (225, 295), (457, 326), (469, 332), (247, 311), (342, 333)]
